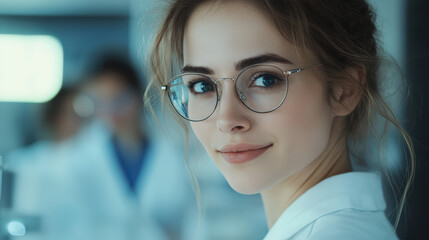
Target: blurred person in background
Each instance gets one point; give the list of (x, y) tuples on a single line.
[(44, 181), (60, 118), (133, 185)]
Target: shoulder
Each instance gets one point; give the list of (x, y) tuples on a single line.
[(29, 156), (352, 224)]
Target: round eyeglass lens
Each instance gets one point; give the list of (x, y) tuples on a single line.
[(193, 96), (262, 88)]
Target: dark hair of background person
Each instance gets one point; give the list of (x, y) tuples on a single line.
[(53, 107), (118, 64)]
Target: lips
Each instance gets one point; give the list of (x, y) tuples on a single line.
[(241, 153)]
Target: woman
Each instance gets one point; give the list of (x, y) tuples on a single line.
[(237, 61)]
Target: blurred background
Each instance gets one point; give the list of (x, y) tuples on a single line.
[(82, 160)]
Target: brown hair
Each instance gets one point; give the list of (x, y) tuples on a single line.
[(339, 34)]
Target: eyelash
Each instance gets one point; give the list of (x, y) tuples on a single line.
[(191, 84), (254, 77)]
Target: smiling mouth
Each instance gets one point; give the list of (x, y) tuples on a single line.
[(237, 157)]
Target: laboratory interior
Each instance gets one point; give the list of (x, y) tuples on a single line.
[(81, 157)]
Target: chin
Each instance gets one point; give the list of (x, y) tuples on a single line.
[(246, 190), (245, 179), (247, 185)]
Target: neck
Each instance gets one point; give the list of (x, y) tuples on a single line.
[(129, 138), (334, 160)]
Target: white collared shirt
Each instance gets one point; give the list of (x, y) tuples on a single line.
[(345, 206)]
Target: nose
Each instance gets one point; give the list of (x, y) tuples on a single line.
[(231, 116)]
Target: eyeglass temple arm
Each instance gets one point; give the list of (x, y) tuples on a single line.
[(301, 69), (294, 70)]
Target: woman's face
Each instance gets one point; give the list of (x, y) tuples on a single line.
[(271, 146)]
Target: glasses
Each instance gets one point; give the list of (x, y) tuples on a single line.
[(262, 88)]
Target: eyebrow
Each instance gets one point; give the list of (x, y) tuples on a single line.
[(196, 69), (263, 58)]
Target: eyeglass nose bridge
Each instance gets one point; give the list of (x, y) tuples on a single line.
[(219, 87)]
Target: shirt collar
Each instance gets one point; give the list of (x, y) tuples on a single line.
[(357, 190)]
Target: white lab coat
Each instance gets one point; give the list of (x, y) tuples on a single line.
[(44, 187), (91, 197), (345, 206)]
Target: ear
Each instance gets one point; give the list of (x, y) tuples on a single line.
[(348, 94)]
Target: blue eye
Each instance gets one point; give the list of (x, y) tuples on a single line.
[(200, 87), (265, 80)]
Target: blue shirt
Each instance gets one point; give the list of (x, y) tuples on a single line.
[(345, 206), (130, 165)]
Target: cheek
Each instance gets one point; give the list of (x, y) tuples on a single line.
[(202, 132), (306, 124)]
